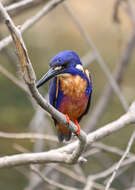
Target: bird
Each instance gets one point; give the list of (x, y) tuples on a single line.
[(70, 90)]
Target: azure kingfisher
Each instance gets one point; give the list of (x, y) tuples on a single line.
[(69, 91)]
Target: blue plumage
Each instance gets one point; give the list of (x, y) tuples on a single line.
[(69, 90)]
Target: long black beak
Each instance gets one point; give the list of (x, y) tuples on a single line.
[(50, 74)]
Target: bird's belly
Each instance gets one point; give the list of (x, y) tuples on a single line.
[(74, 108)]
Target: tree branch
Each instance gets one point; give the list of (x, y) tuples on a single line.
[(18, 7), (120, 161), (28, 23), (31, 136), (13, 79), (50, 181)]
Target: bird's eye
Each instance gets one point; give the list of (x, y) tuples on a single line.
[(59, 60), (65, 64)]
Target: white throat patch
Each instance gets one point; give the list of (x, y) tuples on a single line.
[(79, 67)]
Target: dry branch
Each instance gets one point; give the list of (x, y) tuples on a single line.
[(13, 79), (121, 161), (110, 170), (28, 23), (112, 149), (31, 136), (50, 181), (116, 10), (18, 7)]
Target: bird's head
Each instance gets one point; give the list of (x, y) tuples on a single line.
[(63, 63)]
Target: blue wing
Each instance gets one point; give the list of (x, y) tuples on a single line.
[(89, 93), (55, 93), (52, 92)]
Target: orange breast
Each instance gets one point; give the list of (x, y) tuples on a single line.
[(75, 101), (73, 86)]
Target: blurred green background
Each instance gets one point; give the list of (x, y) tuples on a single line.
[(54, 33)]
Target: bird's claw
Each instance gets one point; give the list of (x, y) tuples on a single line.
[(76, 122), (78, 126), (67, 118)]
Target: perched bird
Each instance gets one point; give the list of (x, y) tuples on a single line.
[(69, 90)]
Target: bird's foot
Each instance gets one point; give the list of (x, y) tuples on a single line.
[(78, 126), (76, 122), (67, 118)]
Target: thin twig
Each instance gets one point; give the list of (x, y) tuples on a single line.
[(19, 4), (17, 7), (49, 181), (30, 136), (34, 19), (91, 152), (120, 172), (120, 161), (13, 79), (69, 173), (131, 188), (116, 10), (109, 170), (111, 149), (131, 9), (74, 176), (90, 184)]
